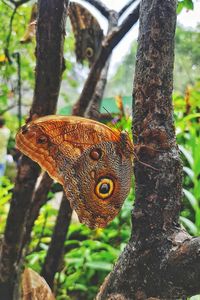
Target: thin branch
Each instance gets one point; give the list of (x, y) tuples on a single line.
[(93, 109), (100, 6), (107, 46), (56, 247), (38, 200), (125, 7), (6, 50), (7, 109), (18, 3)]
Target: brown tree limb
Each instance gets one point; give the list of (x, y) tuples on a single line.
[(100, 6), (50, 39), (107, 46), (125, 7), (93, 109), (161, 260), (6, 49), (38, 200), (56, 246)]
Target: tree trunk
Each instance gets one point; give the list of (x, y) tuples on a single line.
[(50, 40), (161, 260)]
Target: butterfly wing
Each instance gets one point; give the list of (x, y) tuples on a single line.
[(87, 31), (55, 142), (31, 27), (91, 161), (34, 287)]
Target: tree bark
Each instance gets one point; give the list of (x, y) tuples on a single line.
[(161, 260), (50, 39)]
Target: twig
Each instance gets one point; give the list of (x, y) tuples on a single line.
[(125, 7), (100, 6), (93, 108), (6, 109), (6, 50), (18, 3)]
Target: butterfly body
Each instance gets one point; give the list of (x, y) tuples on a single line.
[(92, 162)]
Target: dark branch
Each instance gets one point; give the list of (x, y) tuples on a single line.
[(183, 267), (107, 46), (93, 109), (6, 50), (7, 109), (18, 3), (123, 9), (48, 77), (100, 6), (38, 200), (56, 247)]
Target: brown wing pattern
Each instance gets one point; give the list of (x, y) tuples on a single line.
[(34, 287), (87, 31), (43, 139)]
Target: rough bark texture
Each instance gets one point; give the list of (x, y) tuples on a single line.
[(50, 38), (161, 260), (56, 247)]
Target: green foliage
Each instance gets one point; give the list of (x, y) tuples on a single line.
[(188, 4), (188, 136), (5, 195), (89, 254), (186, 67)]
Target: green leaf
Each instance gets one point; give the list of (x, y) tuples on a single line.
[(193, 201), (99, 265), (189, 224)]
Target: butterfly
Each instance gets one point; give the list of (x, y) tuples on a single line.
[(34, 287), (92, 161), (31, 27), (87, 31)]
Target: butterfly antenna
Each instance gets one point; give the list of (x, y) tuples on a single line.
[(111, 118)]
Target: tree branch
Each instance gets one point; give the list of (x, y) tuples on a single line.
[(38, 200), (50, 39), (100, 6), (107, 46), (56, 246), (18, 3), (6, 50), (160, 260), (182, 267), (125, 7), (93, 109)]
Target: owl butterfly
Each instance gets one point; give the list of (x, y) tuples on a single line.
[(31, 28), (87, 31), (91, 161), (34, 287)]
